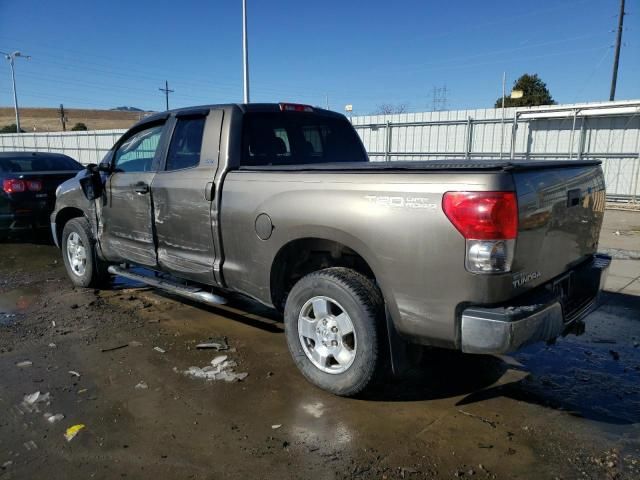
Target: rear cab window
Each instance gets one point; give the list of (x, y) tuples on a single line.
[(298, 138), (186, 143)]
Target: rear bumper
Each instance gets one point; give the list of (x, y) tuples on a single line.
[(541, 315)]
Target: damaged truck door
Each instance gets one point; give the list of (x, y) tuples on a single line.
[(182, 194), (126, 217)]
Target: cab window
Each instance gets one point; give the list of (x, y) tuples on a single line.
[(136, 154), (186, 143)]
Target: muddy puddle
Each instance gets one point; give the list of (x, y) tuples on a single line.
[(15, 303), (595, 375)]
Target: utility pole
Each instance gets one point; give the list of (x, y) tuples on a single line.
[(245, 52), (504, 88), (11, 57), (616, 57), (166, 93), (327, 99), (63, 119)]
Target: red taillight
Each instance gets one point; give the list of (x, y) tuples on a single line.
[(34, 185), (483, 215), (13, 185), (295, 107)]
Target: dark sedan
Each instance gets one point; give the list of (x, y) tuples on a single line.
[(29, 181)]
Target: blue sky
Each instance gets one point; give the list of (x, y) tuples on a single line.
[(111, 53)]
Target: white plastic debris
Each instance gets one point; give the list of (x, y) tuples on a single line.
[(277, 426), (52, 345), (25, 364), (74, 373), (221, 368), (158, 349), (141, 386), (53, 418), (30, 402), (218, 360)]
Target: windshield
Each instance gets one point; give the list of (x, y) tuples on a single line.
[(296, 138), (40, 163)]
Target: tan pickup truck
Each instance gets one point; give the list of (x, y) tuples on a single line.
[(279, 202)]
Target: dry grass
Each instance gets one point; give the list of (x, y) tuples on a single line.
[(48, 119)]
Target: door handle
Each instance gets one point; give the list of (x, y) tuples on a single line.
[(141, 188)]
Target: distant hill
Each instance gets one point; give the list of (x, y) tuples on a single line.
[(48, 119), (128, 109)]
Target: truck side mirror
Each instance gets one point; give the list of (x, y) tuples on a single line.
[(91, 183)]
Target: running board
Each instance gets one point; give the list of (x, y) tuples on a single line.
[(192, 293)]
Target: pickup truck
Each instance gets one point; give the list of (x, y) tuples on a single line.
[(280, 203)]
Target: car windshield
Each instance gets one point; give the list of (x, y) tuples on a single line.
[(38, 164), (297, 138)]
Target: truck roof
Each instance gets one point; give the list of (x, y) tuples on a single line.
[(244, 107)]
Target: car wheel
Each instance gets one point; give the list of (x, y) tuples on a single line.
[(84, 268), (334, 328)]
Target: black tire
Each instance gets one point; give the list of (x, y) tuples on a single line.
[(362, 301), (95, 272)]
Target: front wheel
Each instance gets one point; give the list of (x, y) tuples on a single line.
[(333, 323), (84, 268)]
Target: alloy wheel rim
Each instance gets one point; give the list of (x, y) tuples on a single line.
[(76, 254), (327, 335)]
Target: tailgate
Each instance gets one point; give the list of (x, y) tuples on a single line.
[(560, 213)]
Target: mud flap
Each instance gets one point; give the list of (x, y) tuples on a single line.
[(400, 351)]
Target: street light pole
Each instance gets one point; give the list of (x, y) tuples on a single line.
[(245, 52), (11, 58)]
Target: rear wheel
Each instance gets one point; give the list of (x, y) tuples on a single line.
[(333, 324), (84, 268)]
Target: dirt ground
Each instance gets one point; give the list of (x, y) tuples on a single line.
[(48, 119), (568, 410)]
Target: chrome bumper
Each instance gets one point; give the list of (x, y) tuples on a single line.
[(541, 317)]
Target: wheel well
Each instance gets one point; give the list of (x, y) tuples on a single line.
[(63, 217), (303, 256)]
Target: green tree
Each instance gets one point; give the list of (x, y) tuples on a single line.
[(79, 127), (534, 92), (10, 129)]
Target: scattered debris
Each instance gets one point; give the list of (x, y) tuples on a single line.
[(53, 418), (72, 431), (74, 373), (7, 464), (30, 445), (31, 401), (25, 364), (603, 340), (141, 386), (220, 369), (160, 350), (218, 360), (277, 426), (135, 343), (52, 345), (614, 354), (117, 347), (218, 344), (482, 419)]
